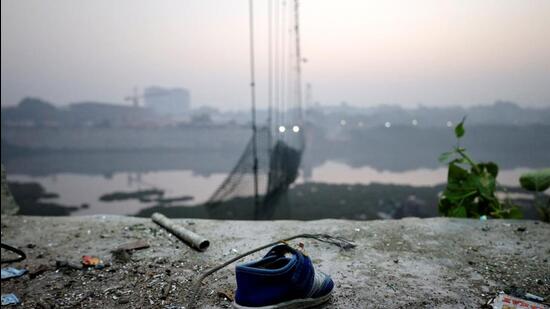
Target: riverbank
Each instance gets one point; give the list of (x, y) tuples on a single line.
[(436, 262)]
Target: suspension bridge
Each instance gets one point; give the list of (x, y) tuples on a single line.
[(271, 159)]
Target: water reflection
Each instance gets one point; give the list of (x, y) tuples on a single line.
[(81, 189), (341, 173)]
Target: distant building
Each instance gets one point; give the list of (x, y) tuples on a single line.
[(168, 101)]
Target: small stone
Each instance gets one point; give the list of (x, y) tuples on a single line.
[(123, 300), (226, 295), (40, 269), (121, 256)]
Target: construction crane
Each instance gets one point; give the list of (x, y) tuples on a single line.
[(136, 97)]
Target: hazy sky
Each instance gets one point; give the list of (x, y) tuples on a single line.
[(365, 52)]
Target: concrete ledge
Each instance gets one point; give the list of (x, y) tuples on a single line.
[(437, 262)]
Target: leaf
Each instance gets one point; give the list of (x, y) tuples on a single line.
[(456, 173), (459, 212), (459, 161), (490, 167), (445, 156), (485, 184), (459, 197), (444, 205), (459, 129), (515, 213), (537, 181), (509, 213), (460, 185)]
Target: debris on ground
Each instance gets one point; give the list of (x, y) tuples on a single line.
[(21, 255), (134, 245), (534, 297), (505, 301), (227, 294), (9, 299), (92, 261), (10, 272), (123, 253), (60, 264), (121, 256), (38, 270), (194, 240), (521, 293)]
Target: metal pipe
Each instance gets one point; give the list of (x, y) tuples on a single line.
[(194, 240)]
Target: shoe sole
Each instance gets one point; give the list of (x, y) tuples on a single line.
[(301, 303)]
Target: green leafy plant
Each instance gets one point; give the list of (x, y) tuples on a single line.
[(538, 182), (471, 186)]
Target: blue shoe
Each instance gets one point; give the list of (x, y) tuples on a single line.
[(283, 278)]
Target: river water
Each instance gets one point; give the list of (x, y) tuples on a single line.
[(78, 189), (81, 165)]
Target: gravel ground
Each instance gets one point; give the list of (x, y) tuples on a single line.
[(408, 263)]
